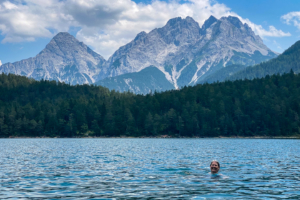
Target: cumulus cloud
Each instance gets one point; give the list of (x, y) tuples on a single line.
[(292, 17), (259, 30), (0, 63), (105, 25), (27, 20)]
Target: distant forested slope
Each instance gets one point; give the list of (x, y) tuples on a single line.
[(222, 74), (261, 107), (290, 59)]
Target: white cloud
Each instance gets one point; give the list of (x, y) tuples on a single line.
[(259, 30), (30, 19), (292, 17), (0, 63), (105, 25)]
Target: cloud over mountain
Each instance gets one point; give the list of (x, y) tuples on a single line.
[(102, 24)]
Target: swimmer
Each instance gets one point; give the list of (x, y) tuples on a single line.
[(214, 167), (214, 170)]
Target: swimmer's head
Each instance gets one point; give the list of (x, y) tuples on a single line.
[(214, 167)]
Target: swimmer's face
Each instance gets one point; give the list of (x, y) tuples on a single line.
[(214, 167)]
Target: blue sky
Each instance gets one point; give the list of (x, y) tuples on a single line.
[(26, 26), (266, 13)]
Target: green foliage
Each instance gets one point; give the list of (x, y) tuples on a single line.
[(261, 107)]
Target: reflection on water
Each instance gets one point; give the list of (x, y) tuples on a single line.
[(149, 168)]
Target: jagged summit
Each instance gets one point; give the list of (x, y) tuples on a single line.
[(209, 22), (233, 20), (182, 50), (178, 22), (180, 30), (140, 35), (174, 21), (186, 53)]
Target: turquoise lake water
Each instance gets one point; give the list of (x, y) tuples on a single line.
[(149, 169)]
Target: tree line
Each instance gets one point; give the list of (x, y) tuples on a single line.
[(267, 106)]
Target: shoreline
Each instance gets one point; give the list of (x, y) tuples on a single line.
[(158, 137)]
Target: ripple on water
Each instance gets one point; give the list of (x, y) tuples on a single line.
[(149, 168)]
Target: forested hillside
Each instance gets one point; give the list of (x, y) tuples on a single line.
[(290, 59), (261, 107)]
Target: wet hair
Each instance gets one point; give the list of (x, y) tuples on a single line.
[(216, 162)]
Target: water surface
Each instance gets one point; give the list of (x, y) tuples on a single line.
[(149, 168)]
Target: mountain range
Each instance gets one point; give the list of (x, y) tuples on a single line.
[(179, 54)]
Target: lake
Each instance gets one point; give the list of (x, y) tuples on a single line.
[(149, 168)]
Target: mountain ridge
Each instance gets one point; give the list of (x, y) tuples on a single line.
[(62, 53), (182, 50), (185, 54)]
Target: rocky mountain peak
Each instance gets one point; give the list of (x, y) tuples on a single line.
[(64, 59), (63, 35), (179, 30), (190, 21), (232, 27), (140, 35), (178, 22), (174, 21), (185, 53), (209, 22), (64, 43), (234, 20)]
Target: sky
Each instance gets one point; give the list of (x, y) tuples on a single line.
[(27, 26)]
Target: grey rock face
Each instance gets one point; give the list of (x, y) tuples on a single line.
[(145, 81), (186, 53), (64, 59), (155, 48)]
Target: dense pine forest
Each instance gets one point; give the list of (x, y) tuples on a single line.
[(261, 107)]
